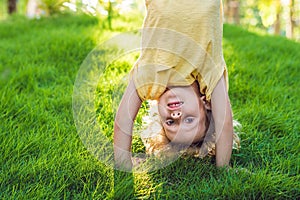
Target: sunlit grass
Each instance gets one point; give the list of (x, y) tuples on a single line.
[(42, 156)]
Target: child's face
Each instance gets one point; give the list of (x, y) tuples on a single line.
[(183, 114)]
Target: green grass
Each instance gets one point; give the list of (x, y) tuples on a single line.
[(43, 157)]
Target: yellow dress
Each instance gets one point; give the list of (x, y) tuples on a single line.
[(181, 43)]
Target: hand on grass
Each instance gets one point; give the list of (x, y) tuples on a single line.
[(137, 161)]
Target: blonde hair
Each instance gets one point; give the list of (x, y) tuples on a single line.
[(157, 143)]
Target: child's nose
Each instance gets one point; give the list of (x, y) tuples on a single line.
[(176, 114)]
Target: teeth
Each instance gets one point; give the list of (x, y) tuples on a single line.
[(175, 104)]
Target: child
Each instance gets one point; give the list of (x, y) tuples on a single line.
[(181, 66)]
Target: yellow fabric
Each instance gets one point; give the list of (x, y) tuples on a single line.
[(181, 43)]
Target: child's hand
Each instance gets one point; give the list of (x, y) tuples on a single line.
[(123, 160), (136, 161)]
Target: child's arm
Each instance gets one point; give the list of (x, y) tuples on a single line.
[(222, 115), (123, 126)]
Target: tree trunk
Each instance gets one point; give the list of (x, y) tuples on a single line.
[(277, 24), (12, 6), (232, 10), (32, 9), (289, 21), (236, 12), (226, 10), (110, 14)]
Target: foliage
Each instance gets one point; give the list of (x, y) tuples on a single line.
[(42, 156), (52, 6), (281, 17), (268, 11)]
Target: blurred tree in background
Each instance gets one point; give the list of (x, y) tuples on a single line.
[(12, 6), (232, 11), (280, 17), (110, 7)]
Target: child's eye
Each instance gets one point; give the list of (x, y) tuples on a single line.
[(169, 122), (189, 120)]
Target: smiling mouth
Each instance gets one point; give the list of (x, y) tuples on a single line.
[(175, 105)]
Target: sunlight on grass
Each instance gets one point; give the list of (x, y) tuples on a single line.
[(43, 156)]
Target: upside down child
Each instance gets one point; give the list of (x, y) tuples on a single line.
[(181, 67)]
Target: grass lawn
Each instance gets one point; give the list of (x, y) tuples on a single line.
[(43, 157)]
